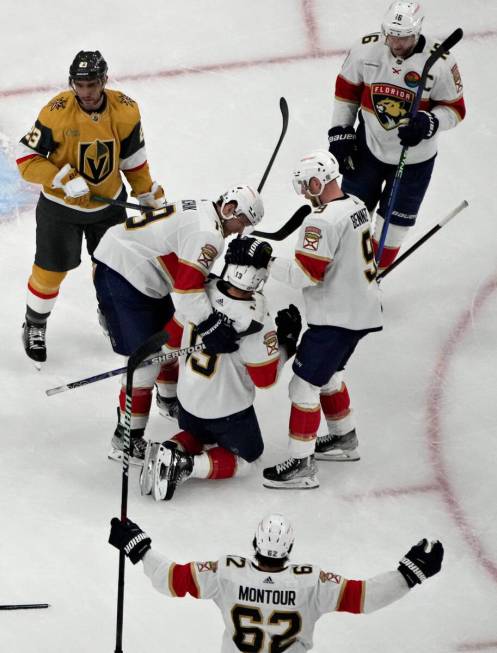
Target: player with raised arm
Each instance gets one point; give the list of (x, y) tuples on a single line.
[(377, 84), (83, 141), (269, 604), (334, 265), (216, 392), (139, 263)]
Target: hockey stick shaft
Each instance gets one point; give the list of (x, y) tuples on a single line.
[(162, 358), (165, 357), (25, 606), (124, 205), (153, 344), (424, 238), (440, 51), (289, 227)]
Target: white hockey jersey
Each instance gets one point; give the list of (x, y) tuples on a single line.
[(213, 386), (334, 265), (383, 87), (172, 249), (271, 611)]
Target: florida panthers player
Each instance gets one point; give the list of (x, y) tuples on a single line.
[(269, 604), (377, 84), (140, 262), (334, 265), (216, 391)]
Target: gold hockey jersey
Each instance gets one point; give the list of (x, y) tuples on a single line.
[(99, 145)]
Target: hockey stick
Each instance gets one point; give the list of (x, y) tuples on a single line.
[(289, 227), (25, 606), (161, 358), (284, 127), (424, 238), (153, 344), (142, 208), (125, 205), (442, 50)]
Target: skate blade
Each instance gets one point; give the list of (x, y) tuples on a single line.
[(37, 365), (147, 473), (338, 456), (310, 483), (160, 484)]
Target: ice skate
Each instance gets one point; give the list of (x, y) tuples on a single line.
[(168, 406), (338, 448), (294, 473), (137, 442), (33, 338), (171, 468)]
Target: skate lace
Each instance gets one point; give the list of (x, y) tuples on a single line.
[(36, 337), (282, 467)]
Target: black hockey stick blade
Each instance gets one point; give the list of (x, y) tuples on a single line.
[(289, 227), (452, 39), (25, 606), (284, 127)]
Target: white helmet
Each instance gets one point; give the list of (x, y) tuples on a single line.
[(248, 201), (245, 277), (403, 19), (320, 164), (274, 537)]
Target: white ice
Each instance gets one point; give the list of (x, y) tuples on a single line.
[(423, 390)]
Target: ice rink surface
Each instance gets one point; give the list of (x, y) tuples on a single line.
[(208, 77)]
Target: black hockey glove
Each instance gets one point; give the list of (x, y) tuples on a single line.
[(289, 325), (421, 561), (249, 251), (217, 336), (423, 125), (129, 538), (342, 144)]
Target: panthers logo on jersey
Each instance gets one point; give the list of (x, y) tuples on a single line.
[(391, 104), (96, 160)]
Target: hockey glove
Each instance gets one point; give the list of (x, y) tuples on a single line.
[(77, 192), (249, 251), (129, 538), (289, 325), (342, 144), (217, 336), (423, 125), (155, 198), (421, 561)]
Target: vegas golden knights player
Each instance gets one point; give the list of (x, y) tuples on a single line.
[(82, 141)]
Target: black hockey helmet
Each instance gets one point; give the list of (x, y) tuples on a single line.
[(87, 65)]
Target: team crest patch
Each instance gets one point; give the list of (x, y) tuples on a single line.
[(96, 160), (312, 236), (59, 103), (206, 566), (329, 577), (391, 104), (207, 256), (125, 99), (412, 78), (271, 342), (456, 76)]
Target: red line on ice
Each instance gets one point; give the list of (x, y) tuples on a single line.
[(434, 429), (315, 52)]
